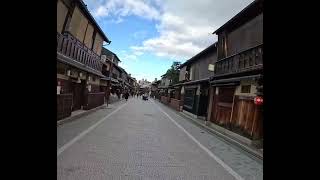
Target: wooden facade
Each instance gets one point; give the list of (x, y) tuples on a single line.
[(194, 81), (79, 66), (238, 74), (64, 105)]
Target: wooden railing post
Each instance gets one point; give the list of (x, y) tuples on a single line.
[(73, 48)]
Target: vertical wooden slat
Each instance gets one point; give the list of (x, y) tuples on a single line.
[(257, 131), (60, 41), (254, 125), (240, 118), (82, 56), (232, 110), (254, 119), (70, 46), (86, 58), (71, 49), (64, 44), (75, 53), (78, 53), (249, 116)]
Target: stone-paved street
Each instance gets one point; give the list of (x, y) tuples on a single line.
[(146, 140)]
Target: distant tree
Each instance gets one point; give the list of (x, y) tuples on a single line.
[(173, 72)]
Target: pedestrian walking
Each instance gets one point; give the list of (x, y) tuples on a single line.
[(126, 95)]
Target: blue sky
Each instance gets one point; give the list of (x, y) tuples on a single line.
[(148, 35)]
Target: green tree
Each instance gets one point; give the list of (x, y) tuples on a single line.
[(173, 72)]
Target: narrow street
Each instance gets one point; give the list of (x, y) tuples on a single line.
[(145, 140)]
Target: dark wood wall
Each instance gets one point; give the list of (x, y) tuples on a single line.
[(65, 86), (247, 117), (237, 113), (64, 105), (222, 106)]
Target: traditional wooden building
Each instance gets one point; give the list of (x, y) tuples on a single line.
[(131, 84), (163, 89), (105, 82), (238, 74), (154, 88), (124, 79), (193, 86), (114, 72), (79, 66)]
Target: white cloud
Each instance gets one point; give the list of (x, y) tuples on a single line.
[(140, 34), (138, 53), (131, 56), (127, 7), (140, 76), (116, 21), (184, 27), (186, 30), (177, 39), (101, 11)]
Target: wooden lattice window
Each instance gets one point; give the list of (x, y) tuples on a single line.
[(189, 97)]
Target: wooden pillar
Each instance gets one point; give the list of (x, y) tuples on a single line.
[(211, 93)]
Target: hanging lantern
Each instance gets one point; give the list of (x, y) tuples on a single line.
[(258, 100)]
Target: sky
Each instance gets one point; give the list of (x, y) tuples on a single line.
[(149, 35)]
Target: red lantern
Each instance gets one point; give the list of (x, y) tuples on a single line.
[(258, 100)]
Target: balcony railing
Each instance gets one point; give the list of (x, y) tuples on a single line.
[(71, 47), (250, 59)]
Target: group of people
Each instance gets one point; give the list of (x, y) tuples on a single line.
[(126, 94)]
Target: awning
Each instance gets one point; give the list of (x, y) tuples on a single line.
[(226, 84)]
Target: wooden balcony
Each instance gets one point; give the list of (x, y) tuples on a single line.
[(248, 60), (69, 46)]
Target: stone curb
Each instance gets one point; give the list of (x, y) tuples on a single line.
[(72, 118), (69, 119)]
